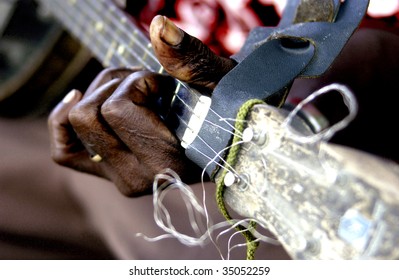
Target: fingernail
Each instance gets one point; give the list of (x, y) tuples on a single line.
[(70, 96), (171, 34)]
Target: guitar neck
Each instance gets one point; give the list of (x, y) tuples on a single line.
[(116, 41), (109, 33)]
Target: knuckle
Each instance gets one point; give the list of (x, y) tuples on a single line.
[(108, 72), (112, 109), (82, 115), (75, 115), (116, 73), (107, 75)]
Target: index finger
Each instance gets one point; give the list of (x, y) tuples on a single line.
[(108, 75)]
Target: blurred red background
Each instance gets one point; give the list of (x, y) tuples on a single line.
[(224, 24)]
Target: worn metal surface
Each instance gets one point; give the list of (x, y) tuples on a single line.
[(316, 11), (322, 201)]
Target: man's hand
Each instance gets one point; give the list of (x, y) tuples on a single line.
[(185, 57), (113, 130)]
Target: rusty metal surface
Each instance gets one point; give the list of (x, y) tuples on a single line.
[(322, 201), (316, 11)]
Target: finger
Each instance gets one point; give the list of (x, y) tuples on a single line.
[(128, 109), (107, 75), (118, 162), (185, 57), (66, 148), (146, 136), (144, 88), (86, 120), (138, 126)]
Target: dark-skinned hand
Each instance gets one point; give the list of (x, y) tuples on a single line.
[(116, 120)]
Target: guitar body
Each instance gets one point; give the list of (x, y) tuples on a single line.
[(314, 196), (38, 59)]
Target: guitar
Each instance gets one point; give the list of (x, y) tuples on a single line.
[(322, 201), (33, 46)]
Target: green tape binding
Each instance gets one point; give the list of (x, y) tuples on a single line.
[(231, 160)]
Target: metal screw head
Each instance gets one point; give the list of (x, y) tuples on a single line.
[(243, 182), (258, 138), (229, 179), (247, 135)]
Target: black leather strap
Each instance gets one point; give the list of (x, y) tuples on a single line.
[(268, 63), (329, 38), (265, 74)]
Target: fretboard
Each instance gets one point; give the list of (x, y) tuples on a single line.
[(116, 41), (106, 31)]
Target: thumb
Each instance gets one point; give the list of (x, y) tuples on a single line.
[(185, 57)]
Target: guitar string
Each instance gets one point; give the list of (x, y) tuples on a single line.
[(79, 25), (168, 227), (76, 23), (217, 154), (119, 38), (150, 53), (171, 181), (212, 159), (246, 224), (226, 166), (73, 21), (192, 217), (95, 19), (201, 139), (135, 54), (73, 27), (112, 34), (276, 213), (194, 241), (121, 31), (259, 237), (208, 220), (186, 201), (147, 50)]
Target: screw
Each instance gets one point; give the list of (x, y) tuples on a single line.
[(249, 135), (243, 182), (230, 179)]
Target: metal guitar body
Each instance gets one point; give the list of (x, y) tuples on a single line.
[(322, 201)]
